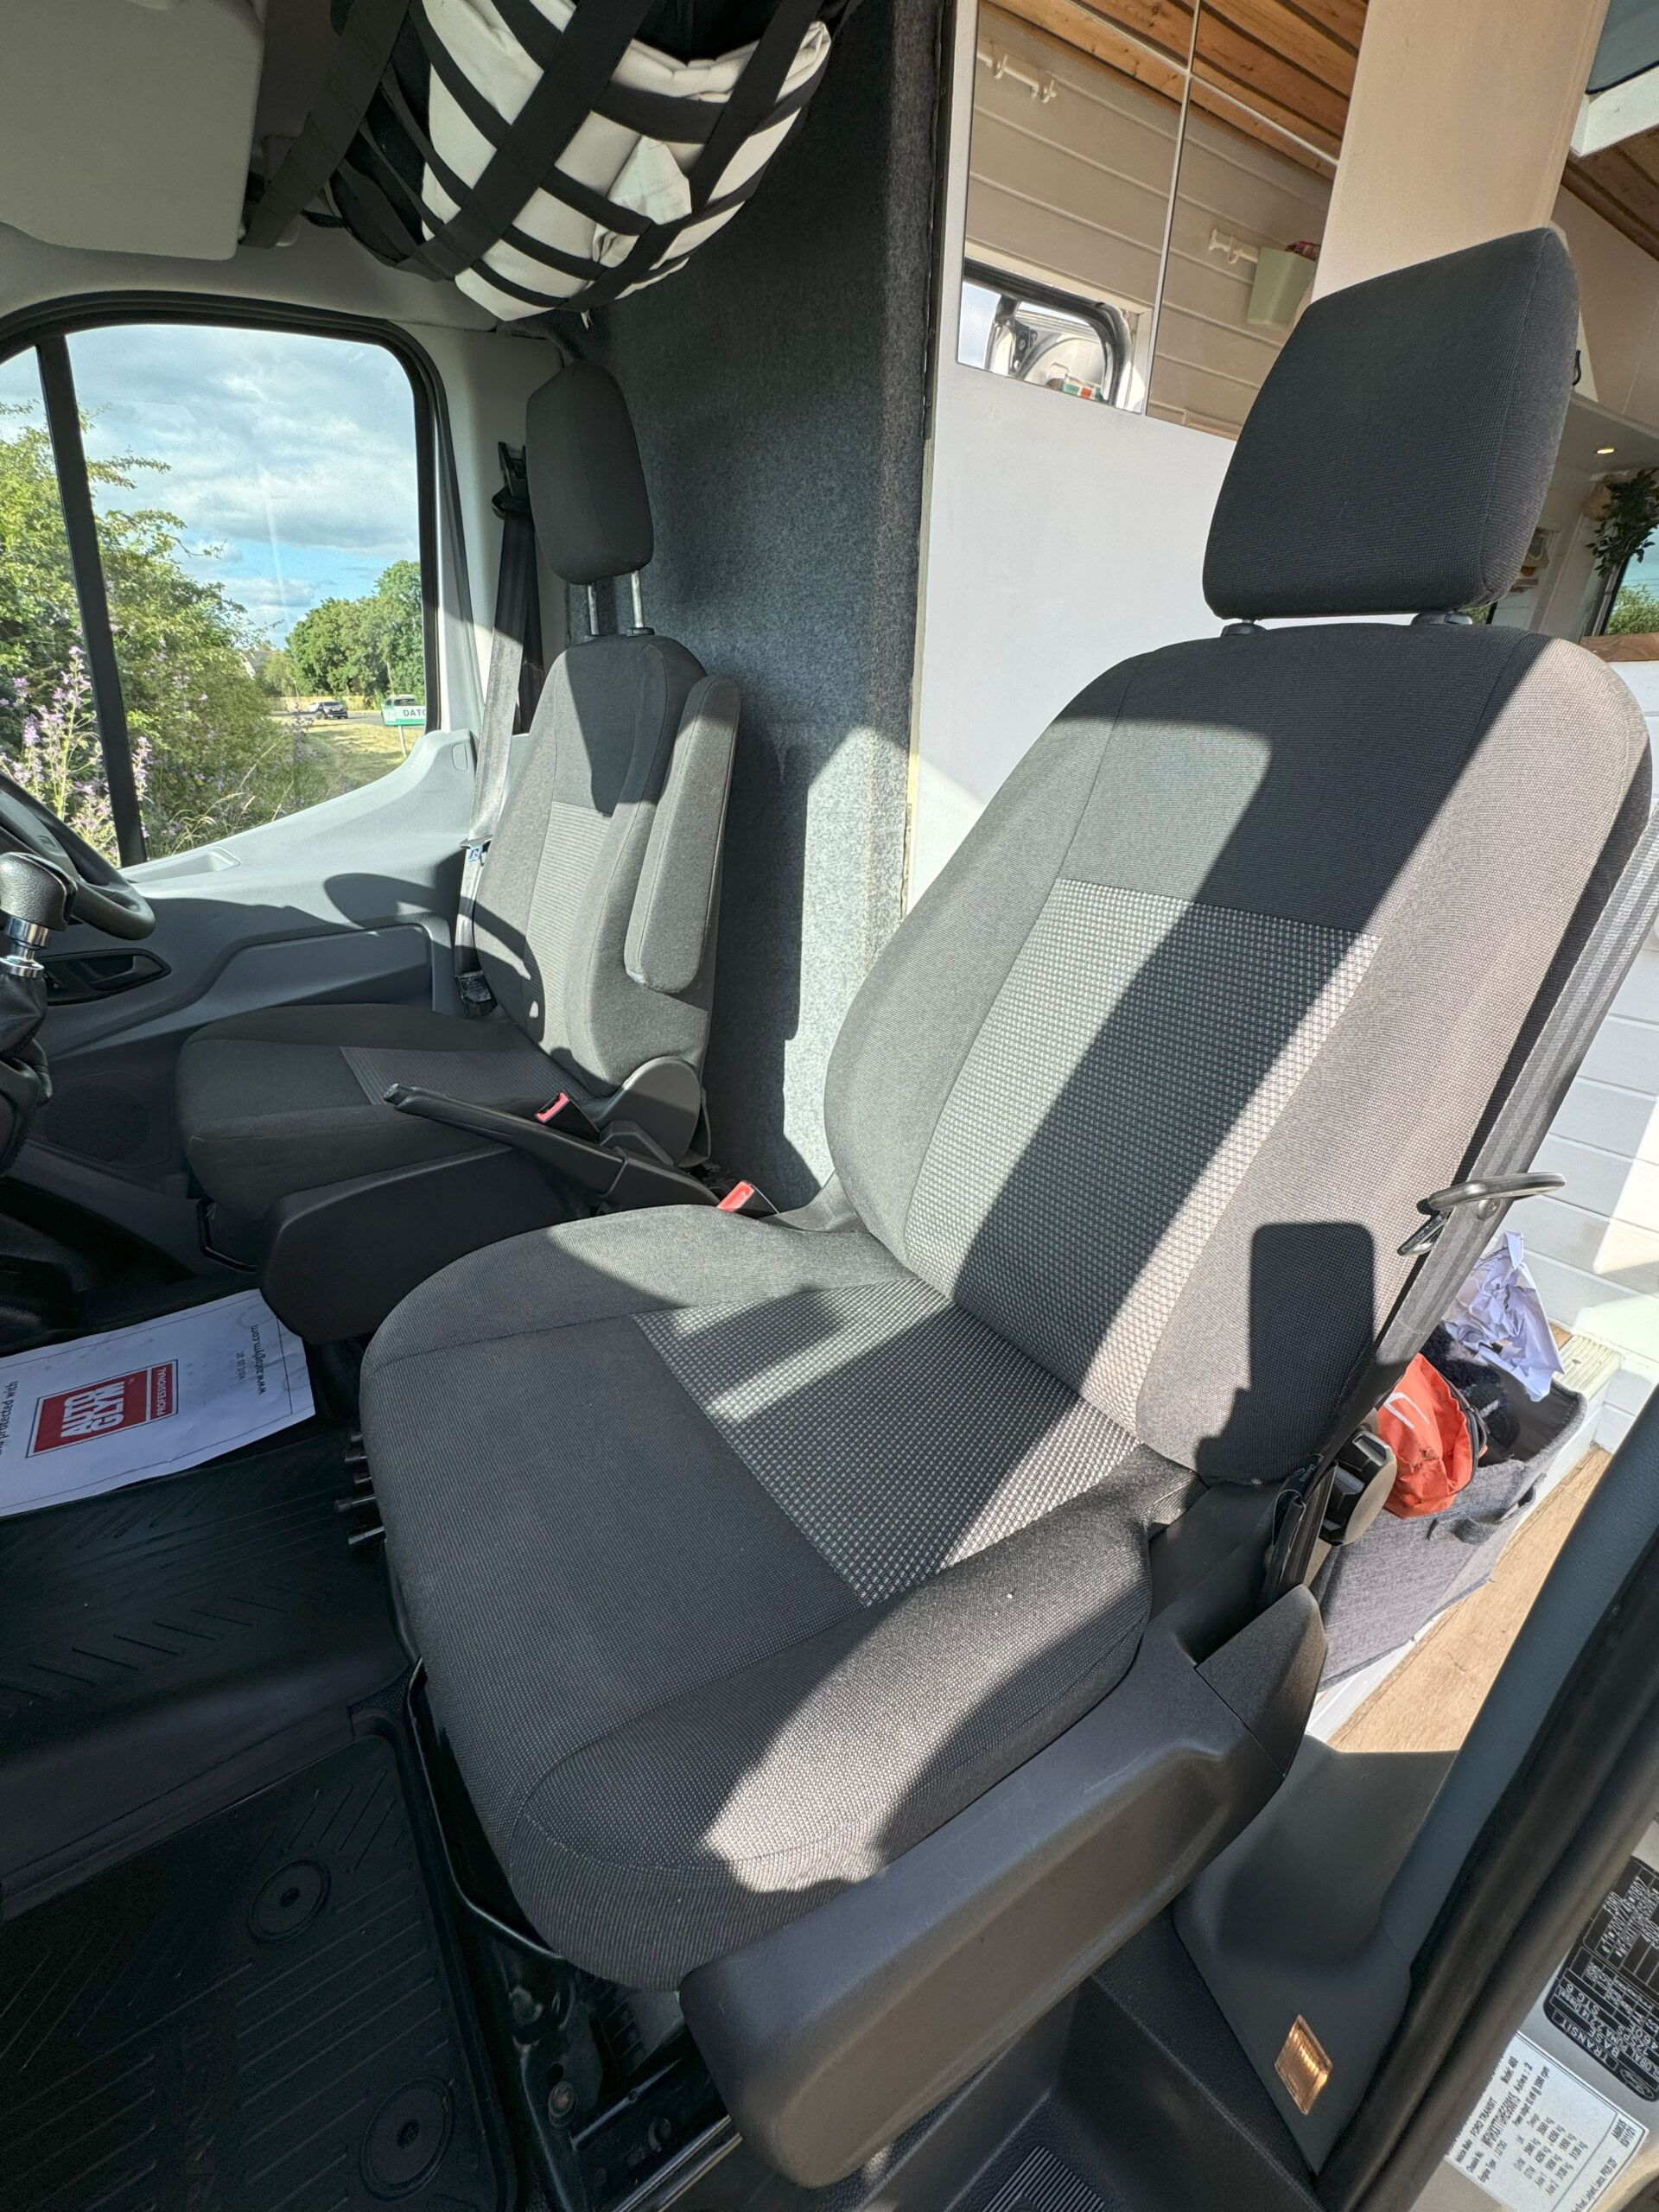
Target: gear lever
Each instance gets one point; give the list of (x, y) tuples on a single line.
[(35, 899)]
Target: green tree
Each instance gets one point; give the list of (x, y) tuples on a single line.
[(39, 621), (392, 631), (274, 673), (371, 645), (326, 647), (213, 759)]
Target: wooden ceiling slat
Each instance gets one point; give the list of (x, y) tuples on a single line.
[(1165, 23), (1221, 102), (1624, 182), (1579, 182), (1260, 128), (1343, 19), (1076, 26), (1255, 68), (1643, 151), (1289, 35)]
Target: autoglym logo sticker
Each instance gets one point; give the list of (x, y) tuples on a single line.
[(98, 1409)]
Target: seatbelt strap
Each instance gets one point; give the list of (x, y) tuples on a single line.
[(1524, 1119), (365, 43), (515, 683), (1518, 1127)]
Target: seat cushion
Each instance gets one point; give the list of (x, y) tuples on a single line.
[(739, 1561), (292, 1097)]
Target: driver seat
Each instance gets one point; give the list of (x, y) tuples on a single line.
[(852, 1619)]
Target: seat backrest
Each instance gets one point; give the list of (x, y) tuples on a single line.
[(1226, 976), (595, 921)]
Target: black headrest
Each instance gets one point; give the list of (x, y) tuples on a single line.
[(1397, 457), (586, 488)]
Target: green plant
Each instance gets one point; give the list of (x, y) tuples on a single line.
[(1628, 517), (1635, 610), (211, 759)]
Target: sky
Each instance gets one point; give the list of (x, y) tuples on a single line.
[(290, 459)]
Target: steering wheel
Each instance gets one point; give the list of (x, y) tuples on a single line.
[(98, 894)]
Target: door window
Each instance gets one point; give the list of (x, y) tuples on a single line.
[(249, 565)]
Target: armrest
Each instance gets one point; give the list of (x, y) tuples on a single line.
[(667, 929)]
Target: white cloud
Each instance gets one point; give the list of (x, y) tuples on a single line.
[(299, 442), (289, 459), (20, 384)]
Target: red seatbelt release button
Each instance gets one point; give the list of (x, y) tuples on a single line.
[(568, 1118), (744, 1198)]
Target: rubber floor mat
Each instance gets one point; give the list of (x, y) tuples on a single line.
[(1049, 2166), (149, 1637), (257, 2015)]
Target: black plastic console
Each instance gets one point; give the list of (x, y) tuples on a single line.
[(830, 2037), (338, 1259)]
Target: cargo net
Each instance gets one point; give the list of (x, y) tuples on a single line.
[(541, 155)]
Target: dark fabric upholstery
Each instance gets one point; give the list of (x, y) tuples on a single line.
[(270, 1103), (1079, 1095), (1397, 455), (678, 1722), (743, 1555), (587, 488), (558, 887)]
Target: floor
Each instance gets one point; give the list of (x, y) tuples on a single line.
[(1429, 1702)]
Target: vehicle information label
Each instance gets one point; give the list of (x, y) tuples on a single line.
[(1541, 2139), (1606, 1997)]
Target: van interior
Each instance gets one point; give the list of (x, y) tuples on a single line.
[(828, 863)]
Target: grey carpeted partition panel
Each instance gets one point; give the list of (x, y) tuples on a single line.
[(778, 387)]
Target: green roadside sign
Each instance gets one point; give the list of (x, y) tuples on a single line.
[(401, 710)]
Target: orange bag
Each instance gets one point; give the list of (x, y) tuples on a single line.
[(1432, 1435)]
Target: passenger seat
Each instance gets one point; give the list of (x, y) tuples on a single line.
[(861, 1621), (595, 914)]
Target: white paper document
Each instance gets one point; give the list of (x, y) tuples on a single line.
[(79, 1418), (1542, 2140)]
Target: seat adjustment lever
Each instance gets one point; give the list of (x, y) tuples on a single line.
[(622, 1180)]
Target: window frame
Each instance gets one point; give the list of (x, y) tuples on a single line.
[(1108, 322), (46, 327)]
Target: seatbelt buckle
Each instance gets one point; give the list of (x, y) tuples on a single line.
[(744, 1198), (474, 989), (563, 1112), (1360, 1484)]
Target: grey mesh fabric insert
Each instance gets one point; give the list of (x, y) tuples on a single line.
[(899, 1435), (1132, 1065), (558, 898), (477, 1078)]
